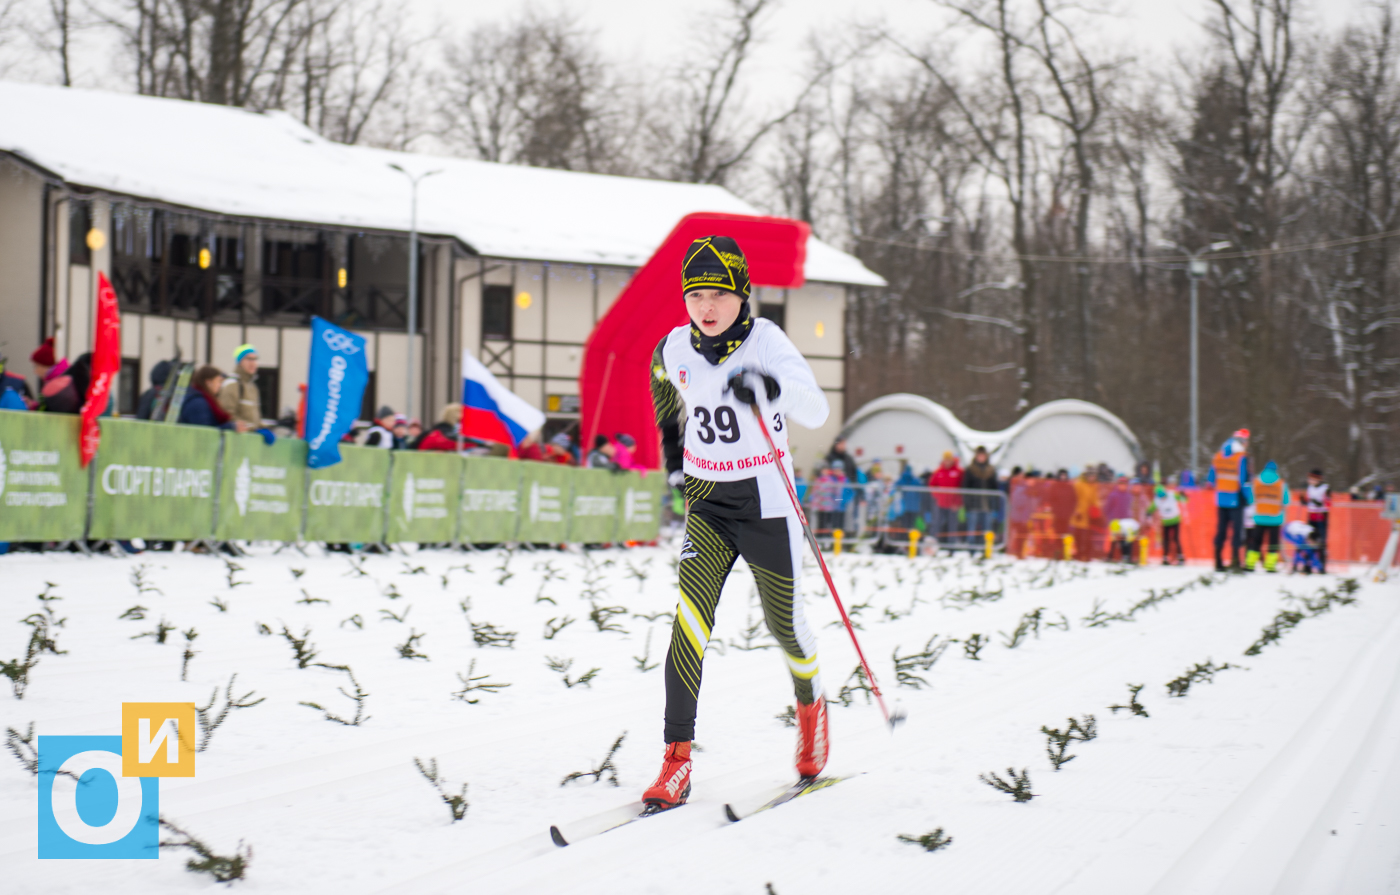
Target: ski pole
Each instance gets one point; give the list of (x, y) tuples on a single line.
[(891, 720)]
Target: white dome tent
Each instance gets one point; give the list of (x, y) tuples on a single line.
[(1066, 433)]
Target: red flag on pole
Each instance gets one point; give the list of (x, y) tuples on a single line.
[(106, 361)]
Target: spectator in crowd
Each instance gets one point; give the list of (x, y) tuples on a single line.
[(826, 498), (624, 457), (529, 448), (948, 505), (202, 407), (58, 393), (1022, 498), (146, 404), (601, 457), (1318, 500), (443, 436), (381, 434), (239, 396), (415, 432), (1088, 513), (560, 450), (400, 431), (908, 494), (839, 459), (1118, 502), (1144, 474), (17, 386), (1229, 472), (980, 475)]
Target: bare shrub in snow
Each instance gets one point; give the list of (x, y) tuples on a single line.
[(929, 841), (456, 802), (358, 697), (224, 869), (1133, 705), (471, 684), (302, 649), (209, 722), (409, 648), (1019, 787), (1196, 674), (604, 768)]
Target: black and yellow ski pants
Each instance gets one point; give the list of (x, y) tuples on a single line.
[(717, 532)]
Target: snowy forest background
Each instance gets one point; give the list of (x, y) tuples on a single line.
[(1026, 185)]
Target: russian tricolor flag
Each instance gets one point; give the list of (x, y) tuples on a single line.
[(492, 412)]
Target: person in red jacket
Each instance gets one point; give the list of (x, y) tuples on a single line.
[(949, 474)]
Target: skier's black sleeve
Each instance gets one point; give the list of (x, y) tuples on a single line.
[(667, 404)]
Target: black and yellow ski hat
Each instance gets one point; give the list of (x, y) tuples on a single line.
[(715, 262)]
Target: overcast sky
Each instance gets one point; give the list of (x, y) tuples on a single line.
[(655, 30)]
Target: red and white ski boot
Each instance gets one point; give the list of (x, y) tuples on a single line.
[(672, 786), (812, 738)]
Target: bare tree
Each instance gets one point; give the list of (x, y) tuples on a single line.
[(1355, 180), (532, 91)]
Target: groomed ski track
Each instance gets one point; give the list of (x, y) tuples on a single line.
[(1237, 787)]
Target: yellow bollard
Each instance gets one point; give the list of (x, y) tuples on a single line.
[(1069, 546), (913, 542), (836, 537), (989, 538), (1143, 544)]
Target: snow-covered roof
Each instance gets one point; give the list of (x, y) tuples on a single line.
[(269, 165), (1064, 433)]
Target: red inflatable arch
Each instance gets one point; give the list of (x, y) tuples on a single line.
[(615, 394)]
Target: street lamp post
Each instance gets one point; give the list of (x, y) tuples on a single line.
[(1196, 269), (412, 277)]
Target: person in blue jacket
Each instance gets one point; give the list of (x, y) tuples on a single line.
[(1271, 496), (1229, 473)]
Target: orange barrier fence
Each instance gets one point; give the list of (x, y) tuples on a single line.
[(1040, 514)]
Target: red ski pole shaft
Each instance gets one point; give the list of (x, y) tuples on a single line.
[(817, 551)]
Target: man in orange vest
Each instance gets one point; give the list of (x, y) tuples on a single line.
[(1271, 496), (1229, 473)]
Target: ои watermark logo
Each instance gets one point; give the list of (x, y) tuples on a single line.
[(99, 796)]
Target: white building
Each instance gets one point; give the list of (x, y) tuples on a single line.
[(220, 226)]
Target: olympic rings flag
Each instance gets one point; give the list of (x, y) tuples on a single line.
[(335, 387)]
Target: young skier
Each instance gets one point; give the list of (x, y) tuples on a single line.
[(706, 380), (1318, 499), (1271, 496), (1166, 506)]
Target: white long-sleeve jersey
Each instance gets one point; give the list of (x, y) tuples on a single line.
[(722, 441)]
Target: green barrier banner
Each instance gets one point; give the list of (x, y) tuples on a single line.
[(545, 496), (261, 489), (641, 505), (490, 511), (424, 490), (345, 502), (154, 481), (42, 488), (593, 515)]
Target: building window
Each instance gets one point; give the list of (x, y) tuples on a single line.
[(128, 386), (268, 392), (79, 223), (774, 312), (497, 313), (376, 293), (293, 278)]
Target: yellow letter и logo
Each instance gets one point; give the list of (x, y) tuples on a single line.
[(158, 739)]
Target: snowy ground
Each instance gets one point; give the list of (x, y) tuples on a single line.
[(1281, 776)]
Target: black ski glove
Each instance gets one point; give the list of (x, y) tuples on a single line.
[(745, 394)]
